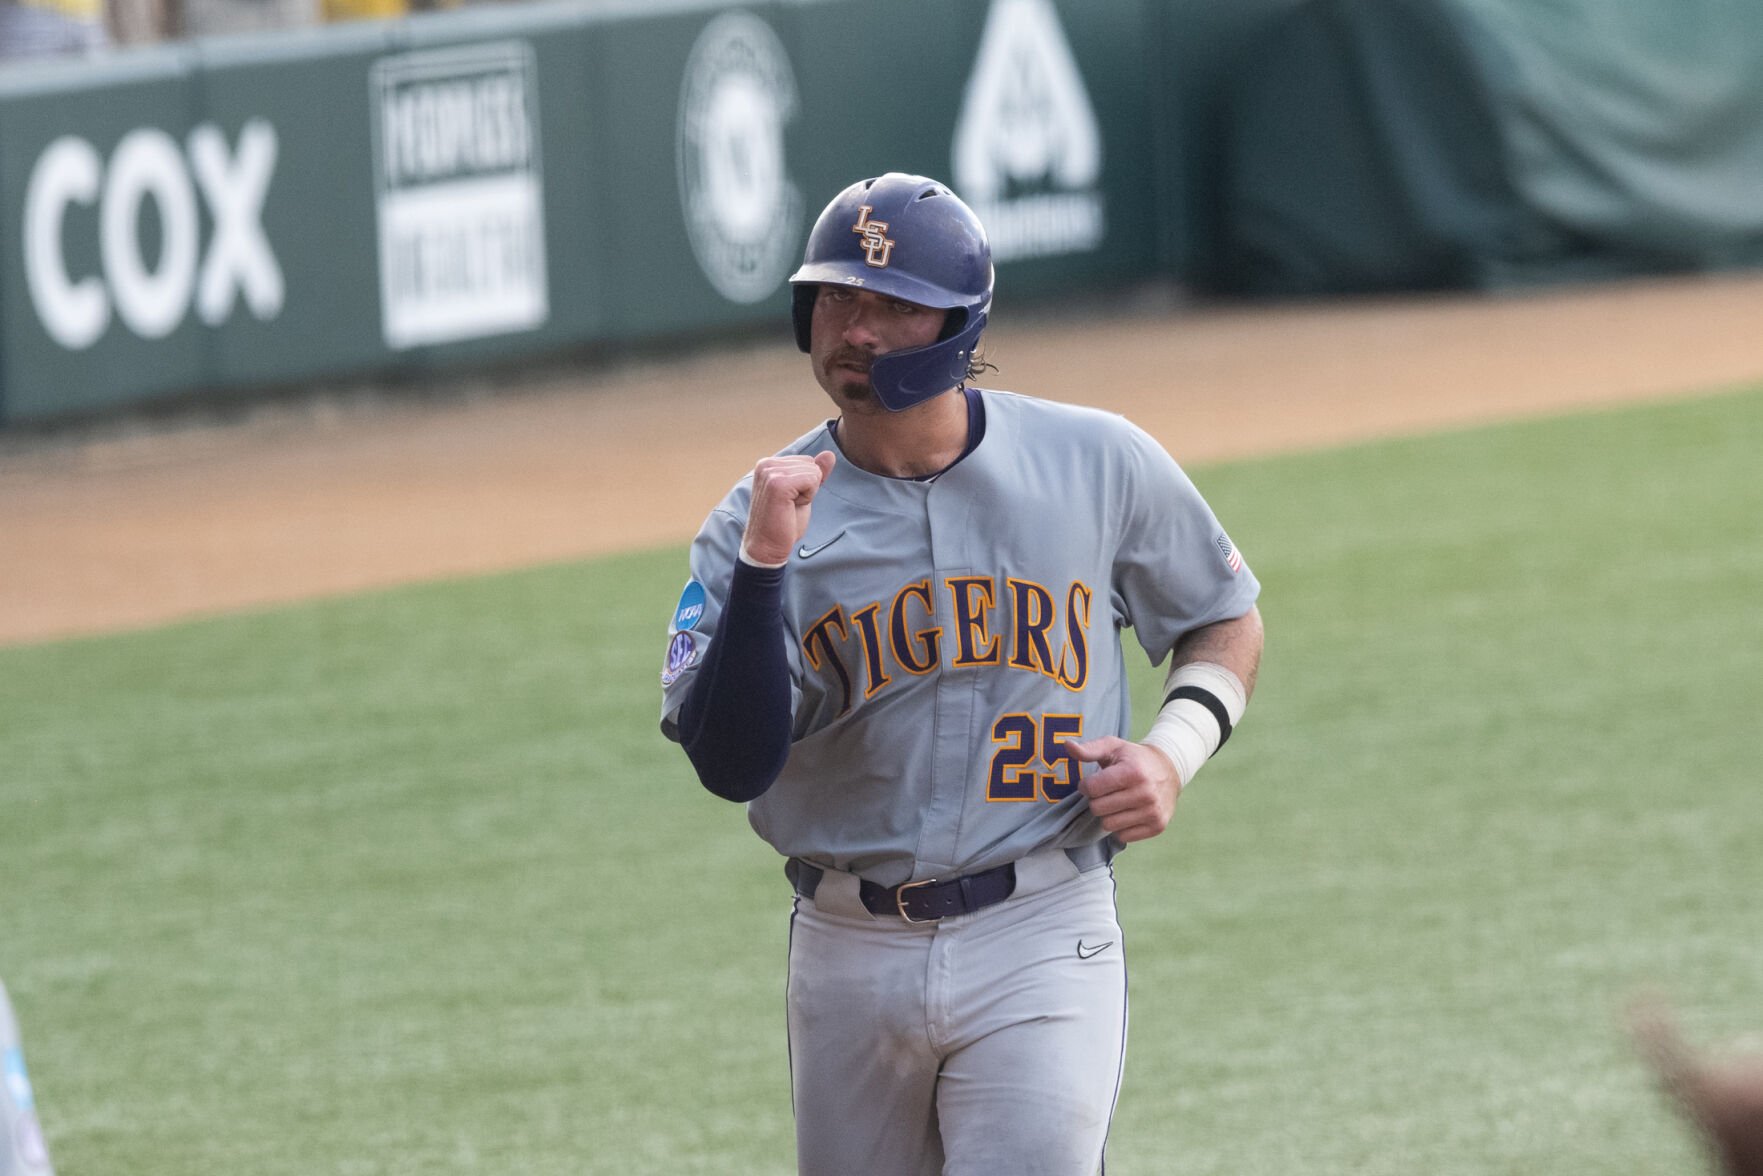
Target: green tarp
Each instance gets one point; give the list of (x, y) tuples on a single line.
[(1415, 144)]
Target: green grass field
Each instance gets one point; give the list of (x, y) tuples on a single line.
[(410, 883)]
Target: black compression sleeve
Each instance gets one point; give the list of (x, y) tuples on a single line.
[(735, 722)]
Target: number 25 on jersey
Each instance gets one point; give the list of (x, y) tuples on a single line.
[(1031, 761)]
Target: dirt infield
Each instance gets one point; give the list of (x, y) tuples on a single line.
[(136, 526)]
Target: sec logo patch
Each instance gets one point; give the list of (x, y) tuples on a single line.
[(691, 607), (682, 654)]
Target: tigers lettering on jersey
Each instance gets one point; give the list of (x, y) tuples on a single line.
[(1025, 627)]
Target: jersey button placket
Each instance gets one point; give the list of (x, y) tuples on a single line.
[(956, 694)]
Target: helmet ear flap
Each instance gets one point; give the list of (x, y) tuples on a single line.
[(802, 300), (902, 379)]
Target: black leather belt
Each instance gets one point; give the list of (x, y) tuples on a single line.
[(920, 902), (933, 899)]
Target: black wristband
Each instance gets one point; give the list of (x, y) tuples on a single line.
[(1208, 700)]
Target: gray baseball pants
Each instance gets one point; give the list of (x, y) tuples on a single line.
[(981, 1044)]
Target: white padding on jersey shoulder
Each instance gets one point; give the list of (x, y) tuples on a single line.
[(1202, 703)]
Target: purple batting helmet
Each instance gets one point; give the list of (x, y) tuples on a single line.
[(910, 238)]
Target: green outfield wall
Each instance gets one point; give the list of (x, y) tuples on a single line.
[(230, 214), (388, 199)]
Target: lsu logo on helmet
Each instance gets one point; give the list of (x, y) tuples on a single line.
[(877, 245)]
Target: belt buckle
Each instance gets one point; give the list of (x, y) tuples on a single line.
[(900, 900)]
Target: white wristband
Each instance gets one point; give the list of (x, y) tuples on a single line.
[(747, 557), (1203, 702)]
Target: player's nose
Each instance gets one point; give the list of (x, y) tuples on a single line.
[(863, 323)]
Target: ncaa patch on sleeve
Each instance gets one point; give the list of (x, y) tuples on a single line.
[(691, 607)]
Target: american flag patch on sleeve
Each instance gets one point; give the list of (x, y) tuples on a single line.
[(1232, 556)]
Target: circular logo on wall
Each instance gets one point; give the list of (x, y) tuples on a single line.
[(742, 212)]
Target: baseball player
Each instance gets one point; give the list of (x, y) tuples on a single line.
[(22, 1150), (900, 647)]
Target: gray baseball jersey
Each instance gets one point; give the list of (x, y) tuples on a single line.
[(946, 637)]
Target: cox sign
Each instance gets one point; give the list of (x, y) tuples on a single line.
[(152, 298)]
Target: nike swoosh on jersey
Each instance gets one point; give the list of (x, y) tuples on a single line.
[(1086, 952), (807, 552)]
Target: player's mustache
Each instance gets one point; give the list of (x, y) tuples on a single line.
[(852, 355)]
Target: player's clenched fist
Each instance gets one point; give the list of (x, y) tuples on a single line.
[(1134, 792), (783, 488)]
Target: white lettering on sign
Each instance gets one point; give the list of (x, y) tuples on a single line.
[(459, 194), (1027, 152), (455, 127), (147, 165), (239, 257), (148, 170)]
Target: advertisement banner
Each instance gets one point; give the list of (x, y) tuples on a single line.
[(407, 196), (110, 194)]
